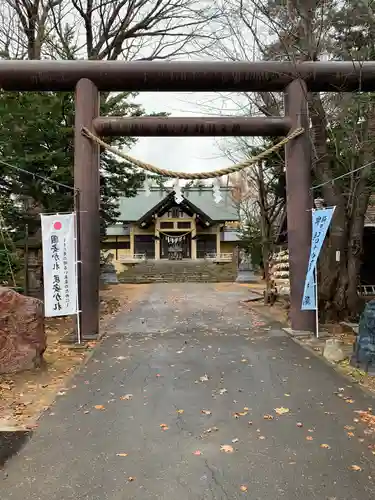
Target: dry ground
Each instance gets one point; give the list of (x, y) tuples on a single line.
[(24, 396)]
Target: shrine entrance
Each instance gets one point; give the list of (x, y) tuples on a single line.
[(175, 246), (89, 78)]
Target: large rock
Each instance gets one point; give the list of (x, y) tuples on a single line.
[(22, 334), (364, 349), (333, 351)]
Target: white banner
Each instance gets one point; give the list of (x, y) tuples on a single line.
[(59, 265)]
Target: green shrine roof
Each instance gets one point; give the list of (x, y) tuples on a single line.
[(133, 209)]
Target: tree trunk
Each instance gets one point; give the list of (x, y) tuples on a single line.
[(265, 231), (361, 201), (338, 283), (332, 279), (266, 270)]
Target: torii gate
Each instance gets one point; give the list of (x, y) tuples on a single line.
[(88, 78)]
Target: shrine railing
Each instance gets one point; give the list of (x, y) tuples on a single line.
[(137, 257), (219, 257)]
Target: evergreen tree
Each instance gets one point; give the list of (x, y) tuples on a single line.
[(36, 147)]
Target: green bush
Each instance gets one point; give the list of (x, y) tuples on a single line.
[(9, 263)]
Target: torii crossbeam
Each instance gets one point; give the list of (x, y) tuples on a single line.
[(88, 78)]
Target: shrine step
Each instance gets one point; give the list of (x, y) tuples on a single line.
[(169, 272)]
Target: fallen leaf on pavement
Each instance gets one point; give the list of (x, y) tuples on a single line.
[(243, 488), (211, 429), (99, 407), (281, 411), (164, 427), (309, 438), (206, 412), (197, 453), (268, 417), (31, 427), (127, 397), (327, 446), (226, 448), (355, 468), (121, 454)]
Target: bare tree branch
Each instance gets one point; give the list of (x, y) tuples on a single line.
[(143, 29)]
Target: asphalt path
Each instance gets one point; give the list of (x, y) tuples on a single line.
[(193, 396)]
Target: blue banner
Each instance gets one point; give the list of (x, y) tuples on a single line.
[(309, 295), (321, 220)]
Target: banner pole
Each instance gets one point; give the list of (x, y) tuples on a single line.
[(316, 302), (78, 263)]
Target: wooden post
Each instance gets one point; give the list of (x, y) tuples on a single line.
[(299, 203), (87, 181), (194, 238), (218, 235), (131, 235)]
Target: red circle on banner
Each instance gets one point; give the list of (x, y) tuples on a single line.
[(57, 225)]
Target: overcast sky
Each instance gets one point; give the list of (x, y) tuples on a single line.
[(189, 154)]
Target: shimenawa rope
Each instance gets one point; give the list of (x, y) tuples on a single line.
[(201, 175)]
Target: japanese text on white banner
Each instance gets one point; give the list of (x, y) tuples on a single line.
[(59, 265)]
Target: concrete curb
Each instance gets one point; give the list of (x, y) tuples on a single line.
[(298, 333)]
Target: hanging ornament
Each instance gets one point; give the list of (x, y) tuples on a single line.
[(178, 194), (146, 186), (216, 191)]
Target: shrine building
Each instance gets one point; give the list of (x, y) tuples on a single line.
[(153, 226)]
